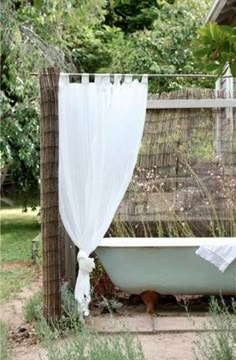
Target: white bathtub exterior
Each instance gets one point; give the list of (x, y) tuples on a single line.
[(165, 265)]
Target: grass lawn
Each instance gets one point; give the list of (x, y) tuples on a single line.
[(5, 351), (17, 231)]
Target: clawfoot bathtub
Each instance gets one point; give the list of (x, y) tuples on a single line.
[(165, 266)]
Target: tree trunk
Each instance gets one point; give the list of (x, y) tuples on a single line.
[(49, 79)]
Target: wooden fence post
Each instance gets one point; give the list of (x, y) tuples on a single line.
[(71, 264), (68, 259), (49, 79), (61, 239)]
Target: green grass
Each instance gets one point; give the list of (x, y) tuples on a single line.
[(70, 320), (13, 280), (17, 231), (76, 341), (33, 308), (221, 343), (93, 346), (5, 350)]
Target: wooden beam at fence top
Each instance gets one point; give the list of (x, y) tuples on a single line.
[(191, 103)]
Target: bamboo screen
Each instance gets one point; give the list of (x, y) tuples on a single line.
[(185, 177)]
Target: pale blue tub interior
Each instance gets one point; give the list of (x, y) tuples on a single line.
[(168, 266)]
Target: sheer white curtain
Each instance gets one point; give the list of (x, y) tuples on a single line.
[(100, 130)]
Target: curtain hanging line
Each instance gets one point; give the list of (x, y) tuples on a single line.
[(148, 75)]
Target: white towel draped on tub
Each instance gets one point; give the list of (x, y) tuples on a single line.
[(221, 254), (100, 130)]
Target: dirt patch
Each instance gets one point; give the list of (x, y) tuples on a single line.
[(11, 312), (24, 335), (25, 344), (13, 264), (33, 352)]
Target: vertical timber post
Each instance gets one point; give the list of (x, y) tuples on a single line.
[(68, 257), (49, 79), (61, 239), (71, 264)]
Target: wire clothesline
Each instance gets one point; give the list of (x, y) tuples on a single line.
[(148, 75)]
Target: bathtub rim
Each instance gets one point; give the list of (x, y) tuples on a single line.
[(129, 242)]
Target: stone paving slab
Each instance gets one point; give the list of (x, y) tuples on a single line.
[(168, 346), (146, 324), (181, 324), (138, 324)]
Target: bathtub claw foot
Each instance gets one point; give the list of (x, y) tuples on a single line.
[(150, 299)]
